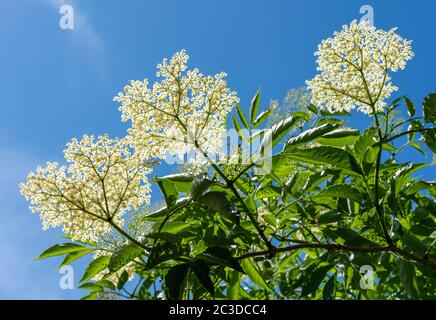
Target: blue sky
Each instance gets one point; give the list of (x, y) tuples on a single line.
[(57, 84)]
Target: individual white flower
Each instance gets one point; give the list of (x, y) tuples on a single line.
[(185, 111), (102, 181), (354, 68)]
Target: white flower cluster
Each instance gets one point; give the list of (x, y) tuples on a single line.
[(183, 112), (354, 68), (102, 181)]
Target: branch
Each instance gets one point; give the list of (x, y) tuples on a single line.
[(406, 133), (339, 247), (335, 247)]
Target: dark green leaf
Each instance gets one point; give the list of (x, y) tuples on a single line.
[(429, 106), (328, 293), (122, 280), (174, 280), (350, 237), (313, 280), (123, 256), (410, 107), (408, 279), (217, 201), (430, 139), (225, 257), (201, 271)]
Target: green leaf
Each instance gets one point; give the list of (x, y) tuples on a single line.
[(91, 296), (419, 185), (416, 146), (60, 249), (266, 192), (313, 108), (162, 252), (339, 137), (201, 271), (410, 107), (278, 131), (182, 181), (350, 237), (91, 286), (254, 107), (365, 141), (122, 280), (106, 284), (430, 139), (414, 244), (314, 279), (309, 135), (234, 285), (408, 279), (328, 293), (199, 185), (217, 201), (96, 266), (429, 106), (123, 256), (329, 217), (162, 212), (262, 117), (343, 191), (174, 280), (225, 257), (166, 236), (169, 191), (254, 275), (236, 124), (242, 116), (173, 227), (73, 256), (335, 157)]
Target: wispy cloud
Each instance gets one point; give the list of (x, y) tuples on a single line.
[(84, 35)]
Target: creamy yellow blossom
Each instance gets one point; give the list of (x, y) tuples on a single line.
[(102, 181), (181, 113), (354, 68)]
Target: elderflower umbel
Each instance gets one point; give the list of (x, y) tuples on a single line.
[(354, 67), (181, 113), (102, 181)]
